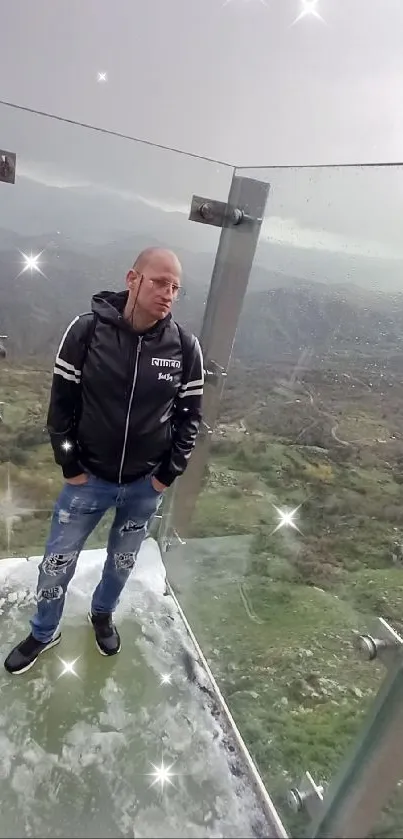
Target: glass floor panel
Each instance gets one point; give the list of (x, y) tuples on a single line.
[(77, 750)]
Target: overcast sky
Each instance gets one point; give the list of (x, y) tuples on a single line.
[(238, 81), (233, 81)]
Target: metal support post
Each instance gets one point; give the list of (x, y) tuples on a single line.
[(370, 775), (241, 220)]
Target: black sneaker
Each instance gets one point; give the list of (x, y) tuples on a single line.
[(106, 635), (24, 655)]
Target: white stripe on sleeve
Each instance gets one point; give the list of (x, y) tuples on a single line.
[(70, 377), (192, 384), (195, 385), (198, 392), (64, 368)]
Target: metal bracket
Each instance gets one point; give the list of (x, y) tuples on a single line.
[(307, 797), (205, 429), (3, 351), (172, 538), (7, 166), (383, 643), (214, 372), (217, 213)]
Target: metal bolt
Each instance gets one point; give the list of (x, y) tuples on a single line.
[(207, 212), (383, 642), (367, 646), (295, 800), (309, 796)]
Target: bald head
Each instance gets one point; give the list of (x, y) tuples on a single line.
[(158, 259), (154, 284)]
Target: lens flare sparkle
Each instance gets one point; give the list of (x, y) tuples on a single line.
[(31, 263), (309, 8), (162, 774), (68, 667), (286, 519)]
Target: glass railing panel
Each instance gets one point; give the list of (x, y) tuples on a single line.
[(295, 542), (80, 754), (390, 822), (83, 205)]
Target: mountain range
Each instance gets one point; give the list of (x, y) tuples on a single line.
[(282, 314), (92, 216), (329, 321)]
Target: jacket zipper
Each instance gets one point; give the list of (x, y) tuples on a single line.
[(136, 366)]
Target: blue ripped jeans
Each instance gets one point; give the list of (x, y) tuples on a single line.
[(77, 512)]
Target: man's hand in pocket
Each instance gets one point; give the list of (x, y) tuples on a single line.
[(158, 486), (78, 480)]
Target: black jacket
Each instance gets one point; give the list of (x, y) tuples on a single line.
[(124, 404)]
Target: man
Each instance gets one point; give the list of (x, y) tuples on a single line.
[(124, 414)]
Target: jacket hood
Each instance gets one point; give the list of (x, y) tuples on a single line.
[(109, 307)]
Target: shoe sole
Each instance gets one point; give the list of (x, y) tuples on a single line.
[(108, 655), (31, 664)]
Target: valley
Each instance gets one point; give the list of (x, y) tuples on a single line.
[(296, 542)]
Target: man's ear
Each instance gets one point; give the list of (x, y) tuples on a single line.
[(131, 278)]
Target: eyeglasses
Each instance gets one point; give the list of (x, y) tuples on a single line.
[(163, 286)]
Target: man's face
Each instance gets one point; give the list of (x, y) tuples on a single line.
[(156, 288)]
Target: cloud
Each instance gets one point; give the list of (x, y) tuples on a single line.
[(289, 232), (34, 173), (60, 181), (155, 203)]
